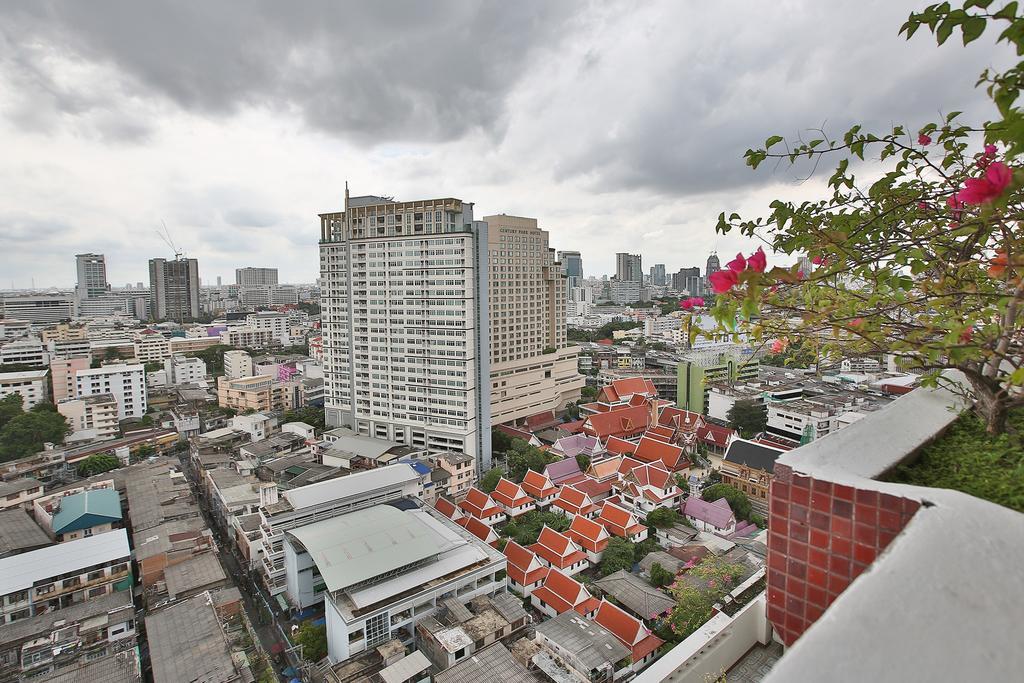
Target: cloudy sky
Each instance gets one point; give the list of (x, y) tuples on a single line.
[(619, 125)]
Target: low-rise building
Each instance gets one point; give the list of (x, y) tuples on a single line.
[(589, 651), (127, 383), (183, 369), (631, 632), (31, 384), (712, 516), (512, 499), (748, 466), (19, 492), (28, 351), (92, 417), (525, 570), (411, 561), (481, 506), (458, 631), (556, 550), (19, 534), (462, 469), (260, 393), (80, 514), (188, 642), (61, 575), (561, 593)]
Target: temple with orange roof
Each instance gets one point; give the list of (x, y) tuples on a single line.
[(539, 487), (590, 536), (525, 571), (571, 501), (481, 506), (560, 593), (631, 632), (511, 498), (621, 522), (556, 550), (649, 487)]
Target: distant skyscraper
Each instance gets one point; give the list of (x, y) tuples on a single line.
[(688, 280), (174, 289), (572, 266), (628, 268), (405, 323), (92, 276), (713, 265), (658, 275), (218, 280), (532, 370), (255, 276)]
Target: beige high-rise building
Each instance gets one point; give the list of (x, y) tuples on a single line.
[(533, 369)]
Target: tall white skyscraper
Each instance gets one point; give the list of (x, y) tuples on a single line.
[(405, 323), (92, 276)]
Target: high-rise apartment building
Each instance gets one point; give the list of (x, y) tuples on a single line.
[(628, 268), (713, 265), (255, 276), (174, 289), (572, 266), (532, 369), (689, 280), (405, 323), (92, 276), (658, 275)]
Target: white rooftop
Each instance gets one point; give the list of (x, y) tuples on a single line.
[(351, 485), (20, 572)]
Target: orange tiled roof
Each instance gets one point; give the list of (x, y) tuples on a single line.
[(588, 533), (603, 469), (574, 501), (619, 446), (523, 566), (481, 531), (510, 494), (447, 508), (538, 485), (630, 631), (670, 455), (564, 593), (619, 521), (557, 548), (478, 504), (620, 422)]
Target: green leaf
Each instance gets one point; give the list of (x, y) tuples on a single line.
[(973, 27), (945, 29), (773, 140)]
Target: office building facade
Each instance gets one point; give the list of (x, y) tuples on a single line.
[(255, 276), (405, 323), (572, 266), (629, 268), (92, 276)]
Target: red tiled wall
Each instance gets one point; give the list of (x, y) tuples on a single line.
[(821, 537)]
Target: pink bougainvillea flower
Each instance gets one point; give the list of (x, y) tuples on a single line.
[(818, 260), (777, 346), (924, 139), (857, 322), (967, 335), (697, 301), (757, 261), (983, 190), (923, 206), (990, 151), (686, 304), (773, 289), (738, 264), (723, 280), (955, 203)]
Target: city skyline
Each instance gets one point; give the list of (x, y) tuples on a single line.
[(104, 138)]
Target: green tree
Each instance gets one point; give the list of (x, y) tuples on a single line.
[(738, 501), (98, 464), (489, 481), (314, 417), (662, 518), (697, 592), (748, 417), (645, 548), (924, 261), (25, 434), (582, 461), (589, 393), (660, 576), (500, 441), (525, 529), (617, 555), (522, 457), (154, 366), (213, 357), (572, 410), (313, 640), (11, 406)]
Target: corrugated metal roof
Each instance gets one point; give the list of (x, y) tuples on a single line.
[(21, 571), (405, 668), (87, 509), (351, 485), (366, 543)]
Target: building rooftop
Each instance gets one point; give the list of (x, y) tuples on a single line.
[(635, 594), (196, 573), (353, 484), (406, 668), (593, 645), (87, 509), (120, 667), (754, 455), (492, 663), (20, 572), (31, 627), (366, 543), (186, 643), (8, 488), (18, 533)]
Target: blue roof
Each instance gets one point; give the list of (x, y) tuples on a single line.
[(420, 467), (87, 509)]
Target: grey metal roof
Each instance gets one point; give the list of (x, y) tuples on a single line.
[(593, 645), (493, 663), (196, 573), (351, 485), (120, 667), (18, 532), (366, 543), (32, 627), (186, 644), (508, 606), (635, 594), (18, 485), (366, 446), (19, 572), (405, 668), (753, 454)]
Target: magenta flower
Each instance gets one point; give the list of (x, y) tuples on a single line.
[(983, 190), (686, 304), (924, 140), (818, 260), (757, 261), (990, 151), (697, 301), (777, 346), (857, 322), (923, 206), (723, 280), (738, 264)]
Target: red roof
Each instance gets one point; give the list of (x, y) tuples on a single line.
[(652, 475), (447, 508), (716, 434), (515, 432), (594, 488), (564, 593), (619, 521), (588, 533), (660, 433), (627, 465), (621, 422), (523, 566), (630, 631), (538, 485), (478, 504), (558, 549), (481, 531), (573, 501), (510, 494), (541, 420), (669, 455), (618, 446), (573, 427), (624, 389)]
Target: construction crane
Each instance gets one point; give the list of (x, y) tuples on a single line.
[(166, 237)]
